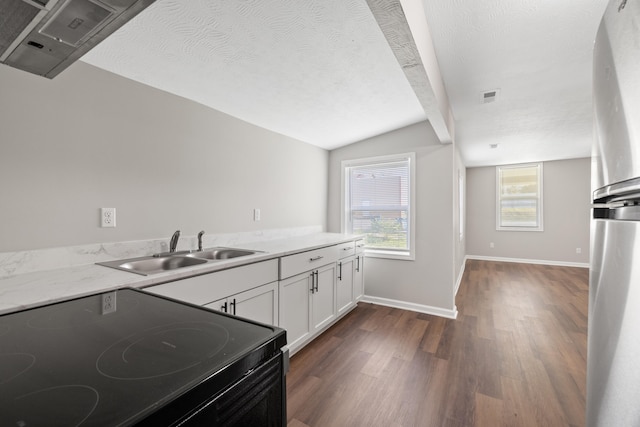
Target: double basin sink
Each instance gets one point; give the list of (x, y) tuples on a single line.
[(171, 261)]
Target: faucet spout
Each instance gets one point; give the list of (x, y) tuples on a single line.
[(200, 234), (173, 243)]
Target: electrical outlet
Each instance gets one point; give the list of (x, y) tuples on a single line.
[(109, 302), (491, 245), (108, 217), (578, 250), (256, 214)]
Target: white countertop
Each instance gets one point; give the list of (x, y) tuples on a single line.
[(42, 287)]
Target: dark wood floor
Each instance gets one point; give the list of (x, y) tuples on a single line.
[(516, 356)]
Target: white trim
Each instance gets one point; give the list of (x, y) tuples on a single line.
[(530, 261), (420, 308), (460, 274), (406, 255), (400, 255)]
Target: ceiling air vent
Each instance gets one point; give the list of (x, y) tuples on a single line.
[(489, 96)]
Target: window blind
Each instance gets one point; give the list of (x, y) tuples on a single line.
[(519, 195), (378, 202)]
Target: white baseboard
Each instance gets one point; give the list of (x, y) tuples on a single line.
[(420, 308), (529, 261)]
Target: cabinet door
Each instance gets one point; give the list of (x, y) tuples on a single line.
[(358, 278), (259, 304), (323, 308), (219, 305), (344, 284), (295, 308)]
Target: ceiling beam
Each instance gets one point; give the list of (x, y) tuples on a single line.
[(404, 25)]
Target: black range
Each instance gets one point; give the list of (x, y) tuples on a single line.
[(131, 358)]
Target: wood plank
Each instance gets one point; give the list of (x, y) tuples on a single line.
[(516, 356)]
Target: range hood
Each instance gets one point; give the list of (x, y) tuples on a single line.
[(46, 36)]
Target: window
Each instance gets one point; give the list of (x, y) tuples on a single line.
[(519, 198), (378, 203)]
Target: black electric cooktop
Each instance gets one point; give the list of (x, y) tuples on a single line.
[(113, 358)]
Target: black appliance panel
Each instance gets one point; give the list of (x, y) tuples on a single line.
[(79, 364)]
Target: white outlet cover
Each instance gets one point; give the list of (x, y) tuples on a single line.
[(108, 217)]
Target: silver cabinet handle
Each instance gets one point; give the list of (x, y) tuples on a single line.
[(358, 264), (313, 283), (346, 249), (340, 271), (317, 280), (316, 258)]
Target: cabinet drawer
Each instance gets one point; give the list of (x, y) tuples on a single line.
[(210, 287), (305, 261), (359, 246), (346, 249)]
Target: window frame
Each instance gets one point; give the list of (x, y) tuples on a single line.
[(407, 254), (461, 204), (539, 199)]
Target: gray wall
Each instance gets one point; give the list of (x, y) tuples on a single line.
[(89, 139), (566, 210), (429, 279)]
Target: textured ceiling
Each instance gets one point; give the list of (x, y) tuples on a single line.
[(321, 71), (539, 55)]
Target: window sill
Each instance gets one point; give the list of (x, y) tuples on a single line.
[(519, 229), (377, 253)]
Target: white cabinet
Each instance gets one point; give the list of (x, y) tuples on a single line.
[(307, 294), (323, 297), (250, 291), (344, 284), (358, 272), (307, 304), (259, 304), (295, 308), (304, 292), (344, 280)]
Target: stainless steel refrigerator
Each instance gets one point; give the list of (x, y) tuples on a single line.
[(613, 360)]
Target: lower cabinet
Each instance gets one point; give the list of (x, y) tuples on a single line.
[(315, 288), (259, 304), (344, 284), (307, 304), (358, 278), (358, 272)]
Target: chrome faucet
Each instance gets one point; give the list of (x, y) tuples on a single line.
[(200, 234), (173, 243)]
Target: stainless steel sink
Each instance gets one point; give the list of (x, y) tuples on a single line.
[(151, 265), (168, 261), (220, 253)]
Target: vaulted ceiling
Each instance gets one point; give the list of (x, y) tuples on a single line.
[(333, 72)]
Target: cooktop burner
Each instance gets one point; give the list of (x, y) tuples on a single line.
[(170, 346), (14, 364), (77, 364), (67, 405)]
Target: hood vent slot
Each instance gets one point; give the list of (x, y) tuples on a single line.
[(46, 36), (75, 21)]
